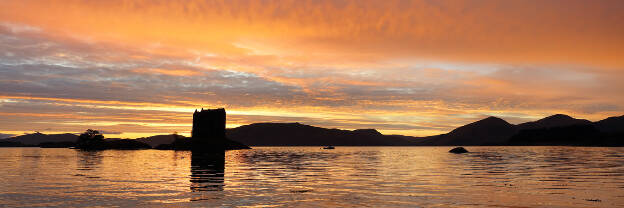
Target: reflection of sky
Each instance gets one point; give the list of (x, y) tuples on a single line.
[(415, 68), (314, 177)]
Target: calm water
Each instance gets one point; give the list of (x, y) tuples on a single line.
[(312, 177)]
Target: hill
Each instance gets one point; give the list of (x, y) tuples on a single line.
[(38, 138), (574, 135), (296, 134), (154, 141), (557, 120), (488, 131), (611, 124), (557, 129)]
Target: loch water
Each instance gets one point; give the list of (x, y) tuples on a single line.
[(314, 177)]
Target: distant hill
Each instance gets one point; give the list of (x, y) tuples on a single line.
[(154, 141), (4, 136), (565, 130), (557, 120), (38, 138), (488, 131), (4, 143), (557, 129), (575, 135), (296, 134), (611, 124), (552, 130)]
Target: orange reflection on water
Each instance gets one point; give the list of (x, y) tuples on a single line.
[(311, 176)]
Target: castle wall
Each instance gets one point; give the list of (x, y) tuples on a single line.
[(209, 124)]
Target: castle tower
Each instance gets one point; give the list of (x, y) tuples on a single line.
[(208, 128)]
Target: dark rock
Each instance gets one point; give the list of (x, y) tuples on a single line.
[(458, 150)]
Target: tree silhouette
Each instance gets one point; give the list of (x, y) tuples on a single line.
[(90, 140)]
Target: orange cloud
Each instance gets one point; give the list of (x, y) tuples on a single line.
[(171, 72), (484, 31), (417, 67)]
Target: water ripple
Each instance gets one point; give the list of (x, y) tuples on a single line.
[(313, 177)]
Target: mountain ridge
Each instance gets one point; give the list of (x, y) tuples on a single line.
[(488, 131), (556, 120)]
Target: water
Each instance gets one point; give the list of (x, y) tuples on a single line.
[(313, 177)]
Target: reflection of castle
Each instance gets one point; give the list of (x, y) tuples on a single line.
[(207, 171), (208, 143)]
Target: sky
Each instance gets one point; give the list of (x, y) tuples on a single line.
[(419, 68)]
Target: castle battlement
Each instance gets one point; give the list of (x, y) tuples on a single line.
[(209, 124)]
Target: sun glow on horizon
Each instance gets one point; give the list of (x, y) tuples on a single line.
[(417, 68)]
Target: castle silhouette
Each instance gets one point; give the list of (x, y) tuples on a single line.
[(209, 123), (208, 131), (207, 135)]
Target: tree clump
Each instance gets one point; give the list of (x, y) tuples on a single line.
[(91, 140)]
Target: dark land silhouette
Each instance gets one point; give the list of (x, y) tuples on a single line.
[(488, 131), (94, 140), (14, 144), (57, 144), (37, 138), (296, 134), (557, 120), (557, 129), (156, 140), (574, 135)]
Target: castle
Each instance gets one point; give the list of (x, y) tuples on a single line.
[(207, 135), (209, 124), (208, 132)]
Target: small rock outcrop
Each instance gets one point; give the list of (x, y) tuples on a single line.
[(458, 150)]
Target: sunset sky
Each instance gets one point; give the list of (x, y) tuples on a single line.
[(140, 68)]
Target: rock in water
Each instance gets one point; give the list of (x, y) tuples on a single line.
[(458, 150)]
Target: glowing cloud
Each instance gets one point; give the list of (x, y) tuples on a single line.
[(409, 67)]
